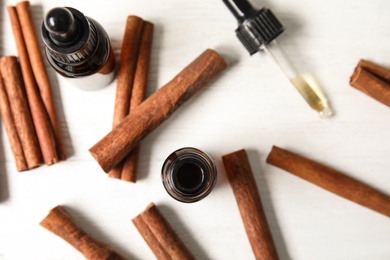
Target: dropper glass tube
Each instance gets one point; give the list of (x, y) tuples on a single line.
[(303, 82), (257, 31)]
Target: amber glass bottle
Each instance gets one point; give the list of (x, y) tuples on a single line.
[(78, 48), (188, 174)]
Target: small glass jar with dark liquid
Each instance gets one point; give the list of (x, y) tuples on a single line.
[(189, 175), (78, 48)]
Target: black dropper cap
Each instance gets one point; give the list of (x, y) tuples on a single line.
[(70, 38), (256, 28), (62, 26)]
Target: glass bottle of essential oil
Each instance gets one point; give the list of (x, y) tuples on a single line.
[(188, 174), (78, 48)]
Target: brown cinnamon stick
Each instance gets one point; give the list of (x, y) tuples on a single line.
[(110, 150), (377, 70), (13, 82), (109, 66), (242, 181), (130, 163), (39, 70), (373, 81), (39, 114), (160, 236), (127, 67), (10, 128), (330, 179), (126, 72), (60, 223)]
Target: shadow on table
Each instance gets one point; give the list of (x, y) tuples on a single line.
[(180, 228), (4, 190), (266, 201), (2, 20)]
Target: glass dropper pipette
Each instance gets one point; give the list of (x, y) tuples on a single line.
[(257, 31)]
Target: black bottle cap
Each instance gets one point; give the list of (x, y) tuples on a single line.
[(70, 38), (256, 28), (62, 26)]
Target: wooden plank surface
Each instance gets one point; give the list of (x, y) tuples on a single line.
[(251, 106)]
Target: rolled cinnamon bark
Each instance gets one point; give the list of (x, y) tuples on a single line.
[(130, 164), (126, 73), (109, 66), (242, 181), (371, 84), (127, 67), (116, 172), (13, 82), (110, 150), (10, 128), (330, 179), (377, 70), (39, 70), (160, 236), (60, 223), (39, 114)]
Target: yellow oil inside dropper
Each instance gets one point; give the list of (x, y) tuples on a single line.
[(303, 82), (257, 31)]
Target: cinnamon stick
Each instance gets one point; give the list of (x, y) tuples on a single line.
[(242, 181), (109, 66), (10, 128), (377, 70), (126, 72), (373, 81), (127, 67), (60, 223), (39, 70), (13, 82), (110, 150), (39, 114), (130, 163), (330, 179), (159, 235)]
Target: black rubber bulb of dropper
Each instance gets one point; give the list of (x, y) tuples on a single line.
[(243, 6), (61, 25)]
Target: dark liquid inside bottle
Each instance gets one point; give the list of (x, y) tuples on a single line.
[(189, 177), (189, 174)]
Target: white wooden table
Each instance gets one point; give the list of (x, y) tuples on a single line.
[(250, 106)]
